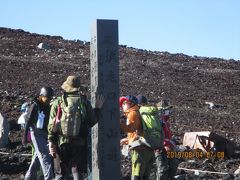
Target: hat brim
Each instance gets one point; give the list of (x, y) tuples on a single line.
[(68, 88), (167, 107)]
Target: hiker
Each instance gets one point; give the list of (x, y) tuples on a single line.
[(22, 118), (160, 153), (71, 117), (167, 167), (142, 157), (37, 121), (22, 121)]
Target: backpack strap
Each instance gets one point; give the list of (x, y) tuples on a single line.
[(64, 99), (83, 105), (83, 99), (55, 124)]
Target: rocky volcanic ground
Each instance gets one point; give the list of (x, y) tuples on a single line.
[(187, 81)]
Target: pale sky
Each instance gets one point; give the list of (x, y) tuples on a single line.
[(208, 28)]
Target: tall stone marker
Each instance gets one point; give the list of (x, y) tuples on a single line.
[(105, 80)]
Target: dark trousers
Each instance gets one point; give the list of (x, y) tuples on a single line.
[(71, 158), (166, 167)]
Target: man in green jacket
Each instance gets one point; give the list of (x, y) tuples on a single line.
[(70, 118)]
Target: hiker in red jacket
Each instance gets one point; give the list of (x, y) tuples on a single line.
[(165, 115), (167, 167)]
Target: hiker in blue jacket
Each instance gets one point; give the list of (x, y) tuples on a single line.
[(37, 121)]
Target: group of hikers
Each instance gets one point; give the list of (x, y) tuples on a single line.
[(151, 122), (59, 131)]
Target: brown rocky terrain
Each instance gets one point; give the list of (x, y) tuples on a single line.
[(187, 81)]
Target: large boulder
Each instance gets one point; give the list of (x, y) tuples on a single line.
[(4, 131), (44, 46), (208, 141)]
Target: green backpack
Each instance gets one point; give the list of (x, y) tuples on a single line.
[(73, 112), (152, 129)]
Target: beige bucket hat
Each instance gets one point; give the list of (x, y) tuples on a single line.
[(71, 84)]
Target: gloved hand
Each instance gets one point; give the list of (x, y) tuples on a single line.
[(123, 141), (24, 139), (52, 149)]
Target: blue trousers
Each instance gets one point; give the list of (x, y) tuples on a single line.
[(41, 156)]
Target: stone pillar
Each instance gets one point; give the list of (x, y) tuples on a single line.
[(104, 56)]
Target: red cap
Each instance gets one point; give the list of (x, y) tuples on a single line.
[(121, 100)]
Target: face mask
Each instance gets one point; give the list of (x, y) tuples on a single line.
[(125, 106)]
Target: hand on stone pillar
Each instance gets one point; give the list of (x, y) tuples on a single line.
[(52, 149), (99, 101)]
